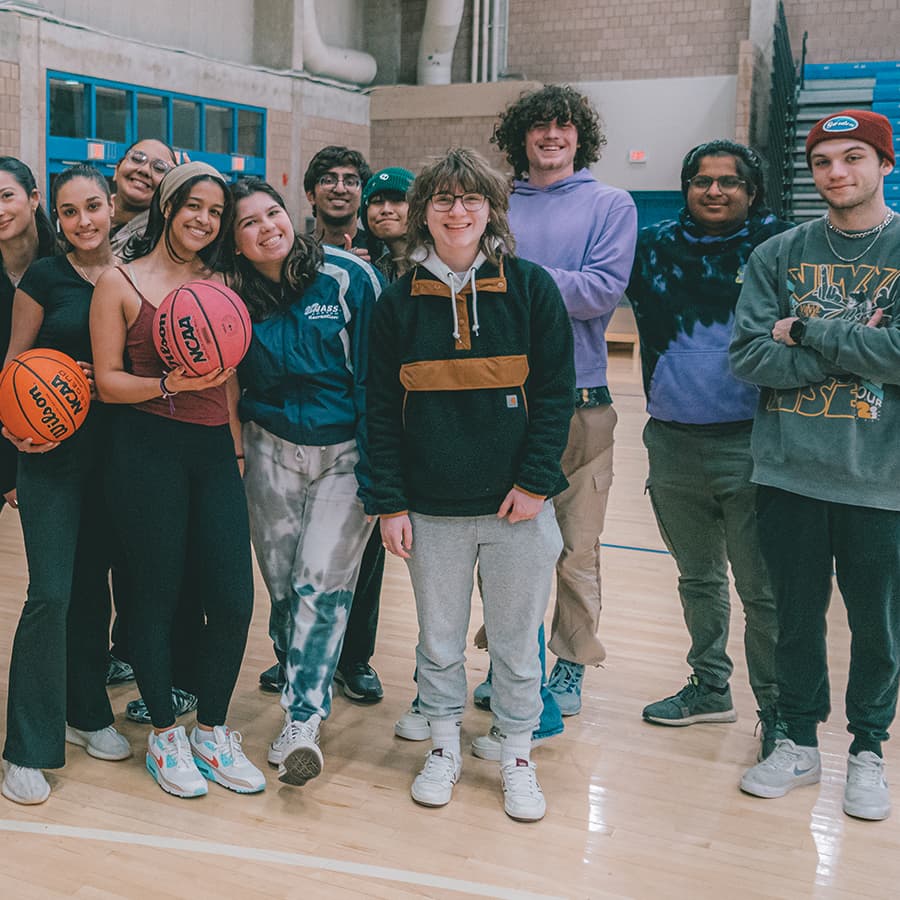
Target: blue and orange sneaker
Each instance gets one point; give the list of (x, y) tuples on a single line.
[(170, 763), (221, 759)]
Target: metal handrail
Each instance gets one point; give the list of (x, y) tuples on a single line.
[(782, 117)]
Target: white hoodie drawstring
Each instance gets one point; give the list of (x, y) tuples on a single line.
[(469, 279)]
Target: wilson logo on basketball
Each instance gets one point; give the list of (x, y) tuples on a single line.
[(49, 419), (44, 396)]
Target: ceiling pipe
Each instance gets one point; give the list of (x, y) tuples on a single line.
[(439, 32), (334, 62)]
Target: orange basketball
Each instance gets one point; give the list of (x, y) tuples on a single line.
[(44, 396)]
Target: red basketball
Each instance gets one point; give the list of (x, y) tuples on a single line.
[(202, 326), (44, 396)]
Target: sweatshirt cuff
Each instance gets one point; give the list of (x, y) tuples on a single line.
[(519, 487)]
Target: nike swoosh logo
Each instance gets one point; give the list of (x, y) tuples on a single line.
[(799, 772), (159, 760)]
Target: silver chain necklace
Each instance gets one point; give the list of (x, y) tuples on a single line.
[(856, 235), (877, 231)]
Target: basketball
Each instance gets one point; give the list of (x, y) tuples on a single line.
[(44, 396), (202, 326)]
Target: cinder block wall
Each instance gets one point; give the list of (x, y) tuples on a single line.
[(10, 108), (845, 30)]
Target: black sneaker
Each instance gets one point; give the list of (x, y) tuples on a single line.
[(272, 680), (360, 682), (119, 671), (182, 703), (771, 729)]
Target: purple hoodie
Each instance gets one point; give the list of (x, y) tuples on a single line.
[(583, 233)]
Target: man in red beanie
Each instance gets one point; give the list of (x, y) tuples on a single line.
[(816, 327)]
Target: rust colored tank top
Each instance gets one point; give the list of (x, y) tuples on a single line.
[(209, 407)]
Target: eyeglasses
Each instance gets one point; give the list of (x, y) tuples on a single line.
[(351, 182), (446, 202), (139, 158), (728, 184)]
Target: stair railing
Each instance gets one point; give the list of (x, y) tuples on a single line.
[(782, 117)]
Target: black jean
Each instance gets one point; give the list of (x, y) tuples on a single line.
[(359, 639), (801, 538), (58, 666), (179, 507)]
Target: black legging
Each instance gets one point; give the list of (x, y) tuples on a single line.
[(179, 506), (57, 670)]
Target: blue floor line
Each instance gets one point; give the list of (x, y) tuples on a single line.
[(637, 549)]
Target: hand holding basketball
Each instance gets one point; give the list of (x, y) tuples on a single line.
[(177, 380), (28, 446)]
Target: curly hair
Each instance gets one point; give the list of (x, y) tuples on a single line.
[(747, 163), (555, 101), (461, 171), (298, 271), (329, 157)]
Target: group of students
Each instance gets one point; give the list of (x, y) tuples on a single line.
[(464, 405), (172, 474)]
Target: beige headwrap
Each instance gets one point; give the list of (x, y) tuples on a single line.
[(176, 177)]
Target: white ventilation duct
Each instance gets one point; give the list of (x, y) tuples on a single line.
[(442, 19), (333, 62)]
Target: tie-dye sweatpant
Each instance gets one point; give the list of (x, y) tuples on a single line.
[(309, 531)]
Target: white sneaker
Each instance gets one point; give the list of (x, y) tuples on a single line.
[(433, 786), (24, 785), (866, 794), (487, 746), (786, 767), (523, 798), (220, 758), (412, 726), (296, 752), (106, 743), (171, 764)]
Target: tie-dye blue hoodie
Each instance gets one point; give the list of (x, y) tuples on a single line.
[(684, 287)]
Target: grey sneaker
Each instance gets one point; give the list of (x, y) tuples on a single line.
[(412, 725), (771, 729), (786, 767), (694, 703), (182, 703), (119, 671), (565, 685), (523, 798), (297, 751), (866, 794)]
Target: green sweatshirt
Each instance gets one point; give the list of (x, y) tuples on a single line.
[(470, 391), (828, 421)]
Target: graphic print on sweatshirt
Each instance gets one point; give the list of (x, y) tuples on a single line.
[(852, 293)]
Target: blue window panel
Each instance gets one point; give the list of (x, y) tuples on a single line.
[(126, 113)]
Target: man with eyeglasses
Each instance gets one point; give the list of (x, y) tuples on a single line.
[(684, 285), (136, 176), (583, 233), (333, 183), (816, 327)]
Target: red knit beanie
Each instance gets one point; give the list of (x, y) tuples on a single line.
[(869, 127)]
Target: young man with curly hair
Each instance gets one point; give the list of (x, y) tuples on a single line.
[(583, 232)]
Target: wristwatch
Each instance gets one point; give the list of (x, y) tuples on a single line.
[(798, 329)]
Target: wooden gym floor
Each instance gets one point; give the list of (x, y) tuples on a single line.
[(634, 810)]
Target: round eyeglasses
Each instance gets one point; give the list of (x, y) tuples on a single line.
[(727, 184), (445, 202), (139, 158)]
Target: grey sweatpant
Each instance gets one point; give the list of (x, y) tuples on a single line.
[(516, 563)]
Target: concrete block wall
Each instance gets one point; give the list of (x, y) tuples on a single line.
[(845, 30), (10, 109), (598, 40)]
